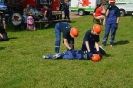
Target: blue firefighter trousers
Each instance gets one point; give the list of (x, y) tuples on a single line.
[(58, 38), (109, 27)]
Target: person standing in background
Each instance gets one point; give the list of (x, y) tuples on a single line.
[(112, 20), (67, 10)]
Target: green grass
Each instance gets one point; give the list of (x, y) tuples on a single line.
[(22, 66)]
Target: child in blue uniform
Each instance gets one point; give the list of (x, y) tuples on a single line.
[(112, 20), (90, 42), (66, 55), (68, 36)]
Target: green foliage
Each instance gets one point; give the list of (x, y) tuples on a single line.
[(22, 65)]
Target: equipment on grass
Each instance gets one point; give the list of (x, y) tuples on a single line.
[(95, 57), (74, 32), (97, 28)]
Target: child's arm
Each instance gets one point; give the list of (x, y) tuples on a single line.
[(1, 35), (97, 46)]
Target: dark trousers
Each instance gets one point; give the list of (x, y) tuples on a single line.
[(112, 28), (67, 14), (58, 38), (5, 37)]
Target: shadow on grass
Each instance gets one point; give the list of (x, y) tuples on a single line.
[(2, 48), (14, 30), (107, 55), (72, 21), (121, 42), (12, 38)]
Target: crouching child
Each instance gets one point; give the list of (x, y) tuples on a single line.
[(3, 34)]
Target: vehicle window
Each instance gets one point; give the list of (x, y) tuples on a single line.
[(1, 1)]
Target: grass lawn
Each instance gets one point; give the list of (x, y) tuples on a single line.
[(22, 66)]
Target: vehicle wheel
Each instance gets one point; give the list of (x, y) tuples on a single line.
[(81, 12), (14, 20), (122, 12)]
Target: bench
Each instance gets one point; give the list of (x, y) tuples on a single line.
[(43, 22), (57, 15)]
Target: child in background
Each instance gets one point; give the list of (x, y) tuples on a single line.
[(99, 14), (35, 13)]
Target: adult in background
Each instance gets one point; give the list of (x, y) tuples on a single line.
[(99, 14), (47, 14), (35, 13), (112, 20), (90, 42), (61, 8), (27, 10), (68, 33), (3, 34), (66, 10)]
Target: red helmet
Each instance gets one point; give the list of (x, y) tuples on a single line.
[(97, 28), (74, 32), (111, 0), (95, 57)]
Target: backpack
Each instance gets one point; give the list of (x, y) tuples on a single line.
[(30, 23)]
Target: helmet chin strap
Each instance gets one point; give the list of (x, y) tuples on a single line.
[(94, 33), (71, 35)]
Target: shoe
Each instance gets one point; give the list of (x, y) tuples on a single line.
[(69, 21), (44, 57), (46, 25), (111, 45), (57, 55), (34, 28), (102, 50)]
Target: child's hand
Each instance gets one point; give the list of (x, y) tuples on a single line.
[(1, 35)]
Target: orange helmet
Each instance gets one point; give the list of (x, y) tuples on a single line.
[(97, 28), (74, 32), (111, 0), (95, 57)]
